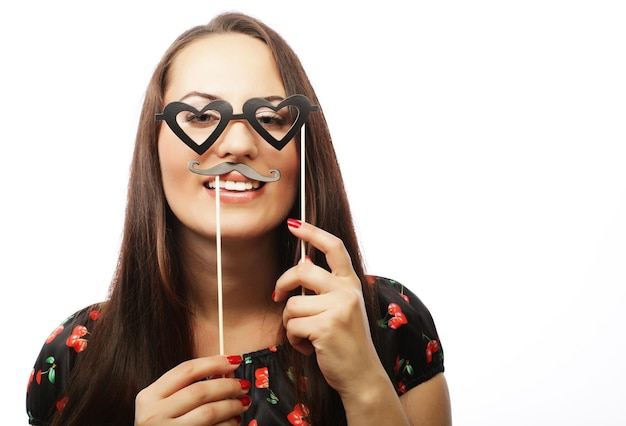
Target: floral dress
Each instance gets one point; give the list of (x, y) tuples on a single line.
[(408, 346)]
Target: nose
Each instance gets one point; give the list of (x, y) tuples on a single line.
[(238, 140)]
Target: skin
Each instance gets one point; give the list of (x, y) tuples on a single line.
[(197, 75), (332, 321)]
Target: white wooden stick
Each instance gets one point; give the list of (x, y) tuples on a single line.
[(302, 191), (218, 244)]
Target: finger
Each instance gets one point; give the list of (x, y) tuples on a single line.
[(337, 256), (305, 274), (299, 336), (220, 412), (204, 392), (309, 321), (304, 306), (303, 319), (193, 370), (297, 316)]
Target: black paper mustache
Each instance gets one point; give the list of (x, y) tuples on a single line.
[(227, 167)]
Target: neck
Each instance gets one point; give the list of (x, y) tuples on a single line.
[(249, 270)]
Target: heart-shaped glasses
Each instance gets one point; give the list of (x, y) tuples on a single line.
[(199, 129)]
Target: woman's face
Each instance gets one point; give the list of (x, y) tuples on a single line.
[(234, 68)]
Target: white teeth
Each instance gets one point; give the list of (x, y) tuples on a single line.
[(231, 185)]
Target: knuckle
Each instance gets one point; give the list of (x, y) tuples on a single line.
[(354, 298), (335, 243), (141, 395), (186, 368), (208, 411), (142, 398), (196, 392), (301, 270), (290, 305)]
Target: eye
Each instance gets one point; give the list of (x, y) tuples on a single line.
[(269, 118), (207, 119)]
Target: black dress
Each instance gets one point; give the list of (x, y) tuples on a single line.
[(408, 346)]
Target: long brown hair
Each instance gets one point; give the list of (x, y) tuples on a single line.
[(145, 327)]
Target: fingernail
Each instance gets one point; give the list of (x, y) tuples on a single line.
[(245, 384), (294, 223), (246, 400), (274, 295), (234, 359)]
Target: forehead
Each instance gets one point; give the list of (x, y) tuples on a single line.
[(231, 66)]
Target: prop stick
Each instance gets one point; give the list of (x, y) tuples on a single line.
[(302, 191), (218, 245), (225, 112), (216, 171)]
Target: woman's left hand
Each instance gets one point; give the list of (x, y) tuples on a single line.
[(333, 321)]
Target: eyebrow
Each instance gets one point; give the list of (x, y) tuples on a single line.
[(207, 96), (210, 98)]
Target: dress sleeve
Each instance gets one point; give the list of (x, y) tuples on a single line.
[(54, 364), (408, 342)]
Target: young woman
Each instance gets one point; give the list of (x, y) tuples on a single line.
[(168, 347)]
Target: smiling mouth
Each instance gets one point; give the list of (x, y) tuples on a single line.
[(231, 185)]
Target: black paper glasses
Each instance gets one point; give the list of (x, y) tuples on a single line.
[(199, 129)]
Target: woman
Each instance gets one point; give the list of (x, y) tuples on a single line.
[(355, 349)]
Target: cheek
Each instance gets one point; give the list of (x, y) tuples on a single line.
[(290, 167), (173, 160)]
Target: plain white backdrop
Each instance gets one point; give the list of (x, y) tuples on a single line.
[(483, 145)]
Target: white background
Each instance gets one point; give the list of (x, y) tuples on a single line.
[(483, 145)]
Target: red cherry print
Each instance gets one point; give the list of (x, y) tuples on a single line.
[(394, 323), (38, 377), (296, 417), (400, 315), (401, 388), (405, 297), (80, 345), (253, 422), (431, 347), (54, 334), (301, 410), (75, 339), (30, 379), (393, 308), (80, 330), (371, 279), (61, 403), (71, 340), (262, 378), (94, 315), (398, 318)]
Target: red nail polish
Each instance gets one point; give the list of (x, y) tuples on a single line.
[(234, 359), (246, 400), (274, 295), (294, 223), (245, 384)]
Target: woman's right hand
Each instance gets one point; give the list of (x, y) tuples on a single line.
[(184, 395)]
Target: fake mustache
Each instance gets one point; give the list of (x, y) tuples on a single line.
[(227, 167)]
